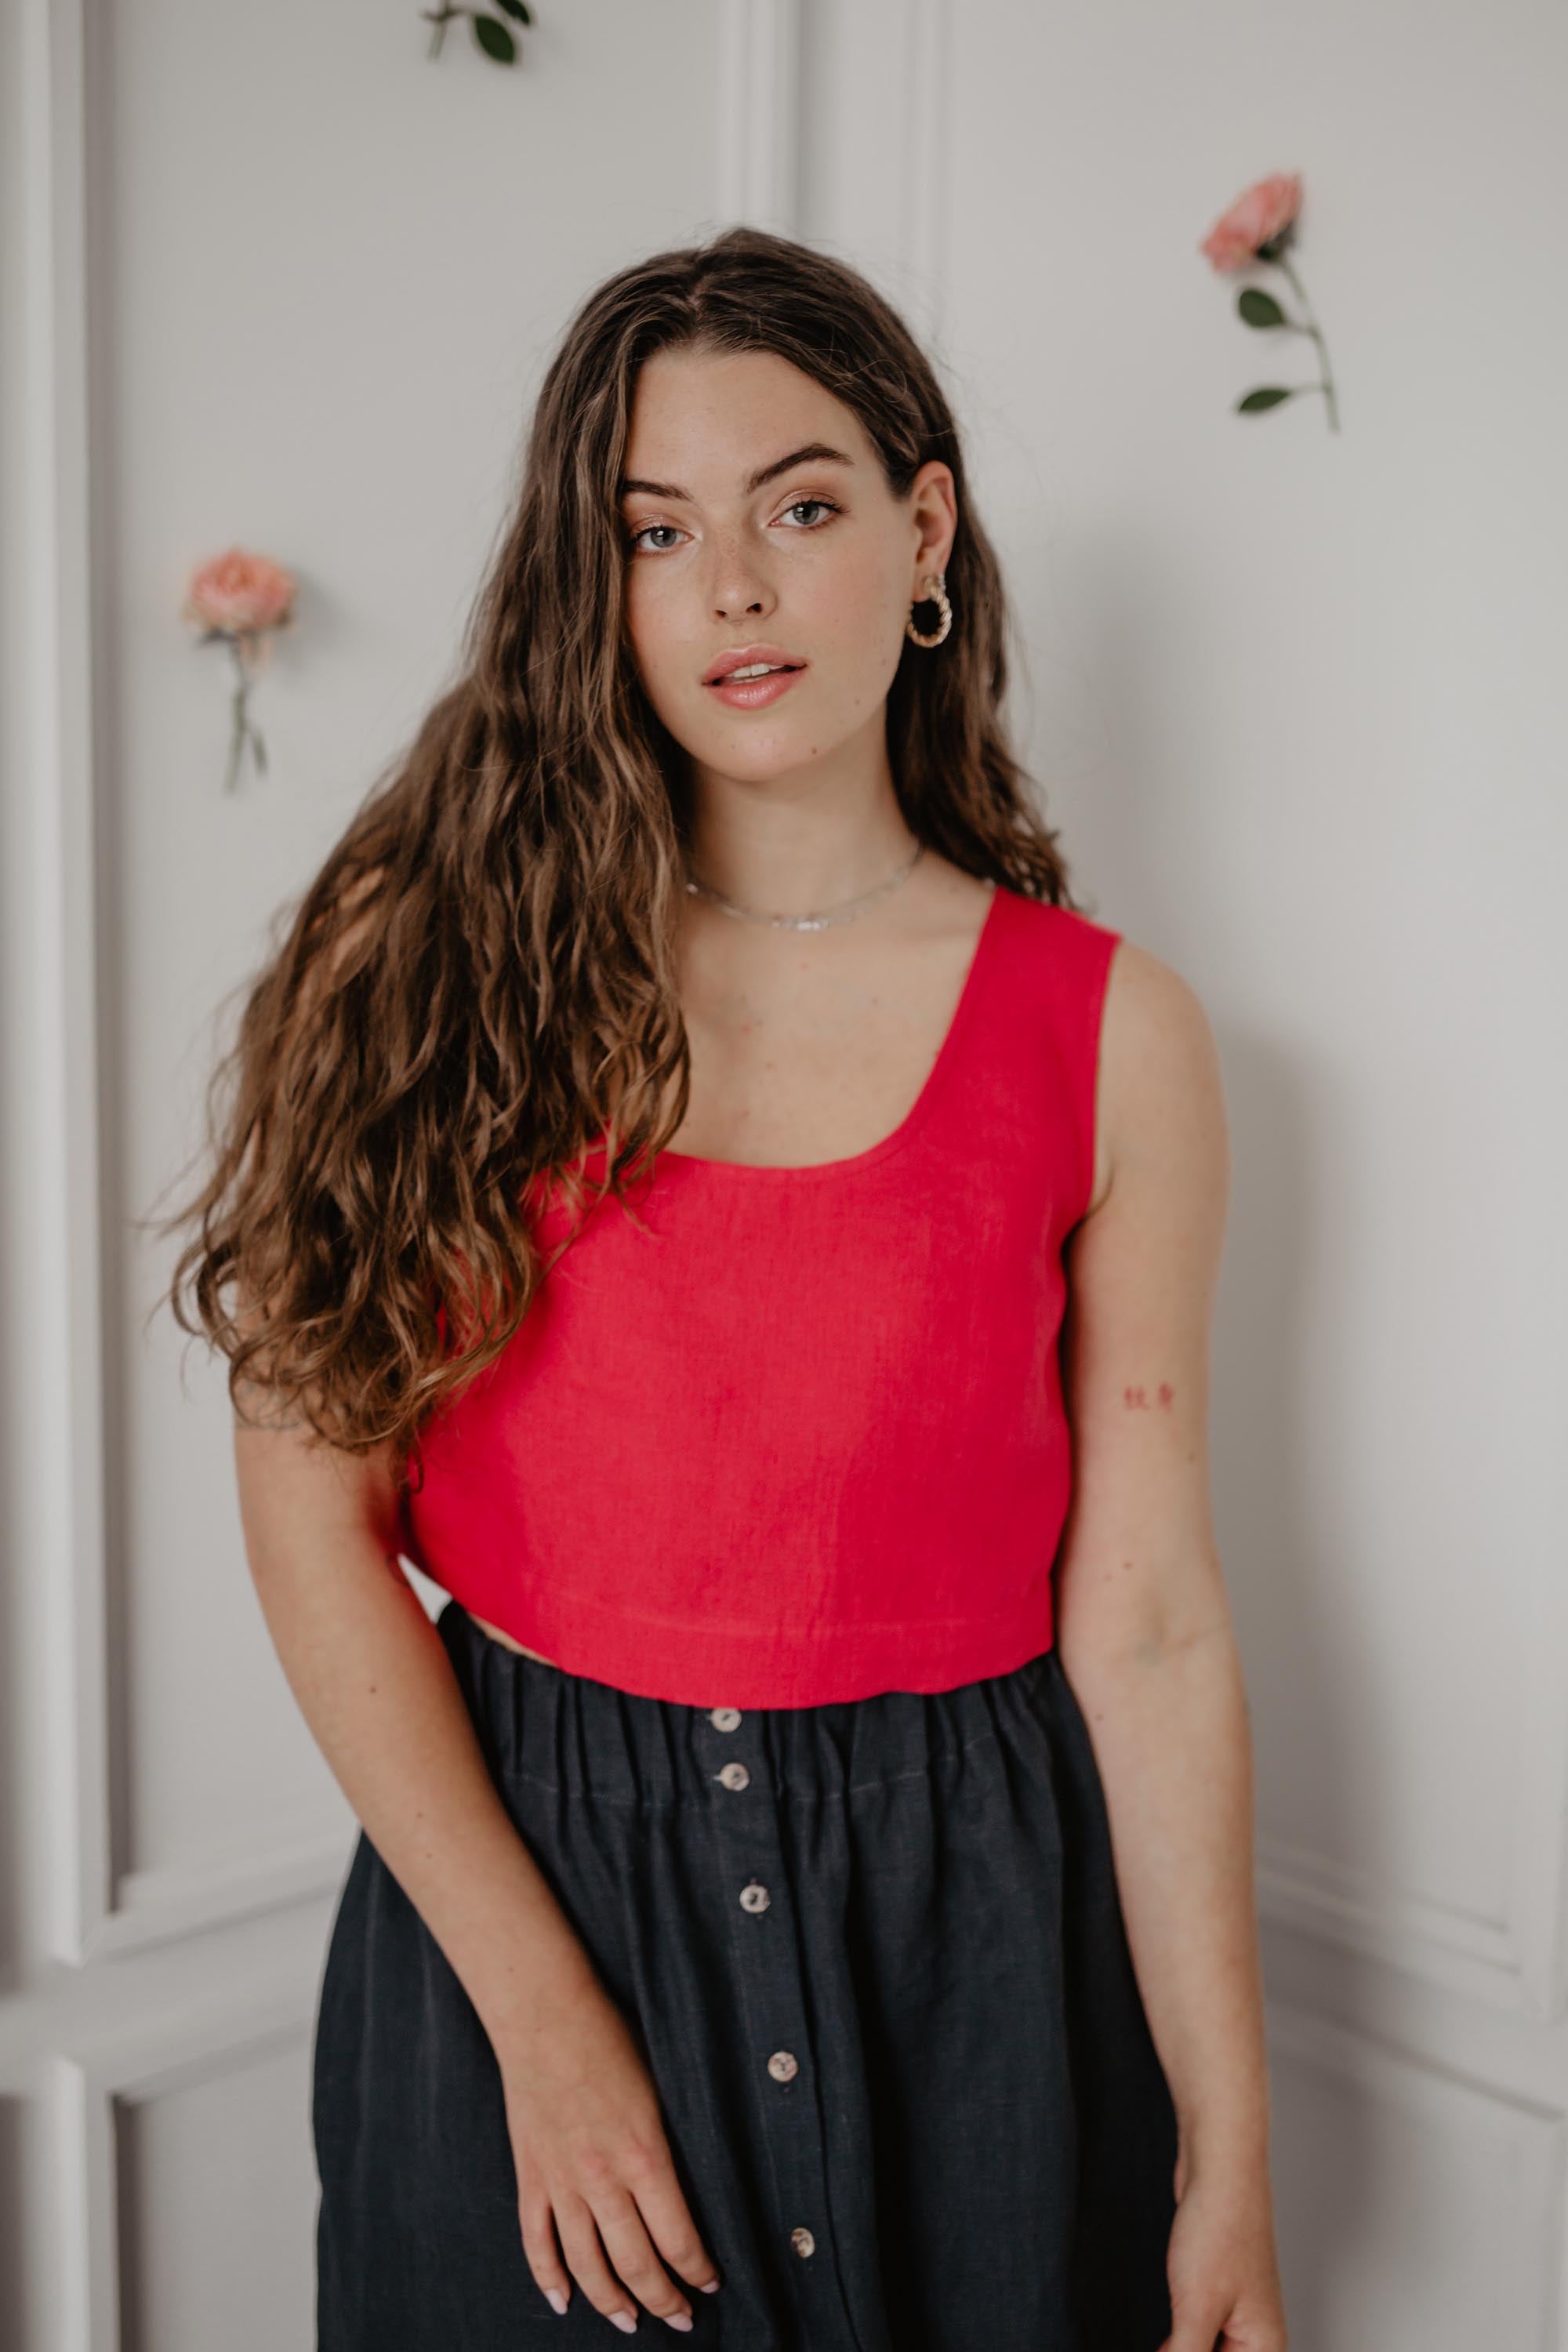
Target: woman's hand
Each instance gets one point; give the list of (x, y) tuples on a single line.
[(1222, 2267), (589, 2145)]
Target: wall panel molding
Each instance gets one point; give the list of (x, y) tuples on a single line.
[(759, 114), (1465, 2112), (89, 2094), (61, 780), (927, 144), (158, 1906), (1518, 1961), (1509, 1962)]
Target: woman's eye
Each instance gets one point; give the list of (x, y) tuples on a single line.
[(638, 536), (826, 504)]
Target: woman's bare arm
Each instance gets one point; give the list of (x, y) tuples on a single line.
[(1145, 1633), (373, 1679)]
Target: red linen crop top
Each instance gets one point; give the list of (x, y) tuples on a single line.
[(803, 1439)]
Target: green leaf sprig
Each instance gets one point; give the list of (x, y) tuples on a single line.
[(493, 38)]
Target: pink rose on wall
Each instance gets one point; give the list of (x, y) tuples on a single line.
[(241, 600), (1260, 227)]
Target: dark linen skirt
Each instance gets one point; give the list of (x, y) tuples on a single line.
[(875, 1953)]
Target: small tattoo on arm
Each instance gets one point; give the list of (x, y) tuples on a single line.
[(1138, 1399)]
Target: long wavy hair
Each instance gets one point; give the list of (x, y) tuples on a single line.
[(480, 984)]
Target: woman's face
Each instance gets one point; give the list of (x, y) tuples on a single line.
[(818, 564)]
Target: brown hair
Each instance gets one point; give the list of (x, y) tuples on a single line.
[(480, 980)]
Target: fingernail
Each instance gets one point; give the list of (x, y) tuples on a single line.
[(556, 2300), (710, 2286), (623, 2321), (681, 2319)]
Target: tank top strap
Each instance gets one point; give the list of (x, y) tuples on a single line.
[(1020, 1083)]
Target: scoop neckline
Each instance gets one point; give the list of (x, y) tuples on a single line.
[(913, 1117)]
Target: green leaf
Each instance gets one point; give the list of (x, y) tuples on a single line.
[(1268, 395), (495, 41), (1258, 308), (517, 10)]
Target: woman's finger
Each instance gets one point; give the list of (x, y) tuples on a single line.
[(540, 2244), (667, 2218), (585, 2255), (631, 2250)]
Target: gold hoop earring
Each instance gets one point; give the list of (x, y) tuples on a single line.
[(936, 594)]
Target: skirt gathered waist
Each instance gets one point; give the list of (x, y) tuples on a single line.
[(565, 1731)]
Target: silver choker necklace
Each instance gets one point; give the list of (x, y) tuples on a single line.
[(843, 913)]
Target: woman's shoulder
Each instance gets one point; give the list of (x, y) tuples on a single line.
[(1152, 1006), (1161, 1098)]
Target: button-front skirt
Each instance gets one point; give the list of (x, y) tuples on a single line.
[(874, 1951)]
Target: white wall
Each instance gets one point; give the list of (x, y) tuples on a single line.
[(275, 276)]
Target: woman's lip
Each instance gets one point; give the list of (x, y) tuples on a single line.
[(752, 693)]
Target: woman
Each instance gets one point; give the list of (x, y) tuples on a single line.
[(689, 1165)]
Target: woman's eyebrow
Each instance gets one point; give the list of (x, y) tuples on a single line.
[(814, 453)]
